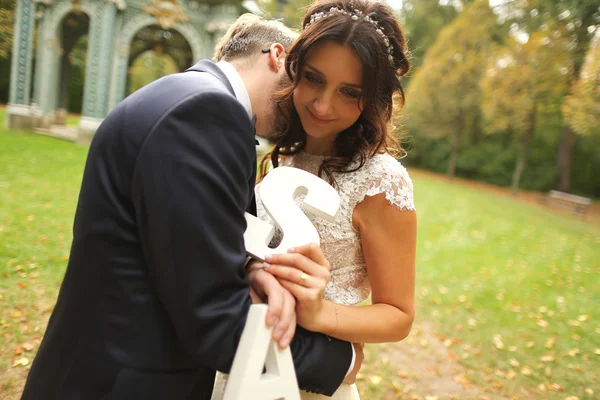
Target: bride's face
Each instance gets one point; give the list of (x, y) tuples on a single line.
[(327, 97)]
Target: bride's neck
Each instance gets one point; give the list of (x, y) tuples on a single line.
[(319, 147)]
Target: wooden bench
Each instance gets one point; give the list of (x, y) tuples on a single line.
[(569, 201)]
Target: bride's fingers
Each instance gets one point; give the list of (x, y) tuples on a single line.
[(297, 276), (301, 293), (314, 252), (300, 262)]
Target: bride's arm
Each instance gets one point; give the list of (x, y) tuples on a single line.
[(388, 239)]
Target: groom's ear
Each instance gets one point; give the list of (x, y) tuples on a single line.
[(276, 56)]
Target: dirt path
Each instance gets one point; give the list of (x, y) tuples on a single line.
[(428, 369)]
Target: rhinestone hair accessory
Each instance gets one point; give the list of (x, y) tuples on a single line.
[(355, 16)]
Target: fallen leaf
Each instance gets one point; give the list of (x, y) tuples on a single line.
[(550, 343), (375, 379), (572, 398), (447, 342), (28, 346), (423, 343), (548, 358), (542, 323), (530, 344), (18, 350), (555, 387), (526, 371), (402, 374), (21, 361), (498, 342), (22, 285), (589, 391), (597, 352), (583, 318), (574, 352), (542, 387), (514, 362), (16, 314), (511, 374)]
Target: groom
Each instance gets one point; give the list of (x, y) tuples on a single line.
[(154, 299)]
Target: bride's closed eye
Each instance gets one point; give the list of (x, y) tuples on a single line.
[(312, 78), (315, 79), (352, 93)]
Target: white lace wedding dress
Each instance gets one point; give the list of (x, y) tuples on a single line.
[(340, 242)]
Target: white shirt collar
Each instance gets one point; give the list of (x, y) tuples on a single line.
[(238, 85)]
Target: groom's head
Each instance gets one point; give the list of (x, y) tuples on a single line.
[(257, 48)]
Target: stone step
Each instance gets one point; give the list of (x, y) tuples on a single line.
[(63, 132)]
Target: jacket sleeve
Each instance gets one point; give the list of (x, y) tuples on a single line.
[(191, 188)]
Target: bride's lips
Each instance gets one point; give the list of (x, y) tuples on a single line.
[(318, 120)]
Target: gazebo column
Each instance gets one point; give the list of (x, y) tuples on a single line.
[(18, 112), (99, 67)]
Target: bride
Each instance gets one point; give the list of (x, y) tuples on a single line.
[(345, 71)]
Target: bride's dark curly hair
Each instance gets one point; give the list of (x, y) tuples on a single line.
[(381, 82)]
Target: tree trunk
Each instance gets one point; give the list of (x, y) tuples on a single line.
[(565, 158), (520, 166), (455, 143), (524, 146)]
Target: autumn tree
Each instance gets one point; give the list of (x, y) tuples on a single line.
[(578, 20), (422, 20), (523, 84), (291, 11), (582, 107), (444, 95), (7, 21)]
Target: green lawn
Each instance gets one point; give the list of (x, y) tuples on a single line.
[(514, 286), (511, 289)]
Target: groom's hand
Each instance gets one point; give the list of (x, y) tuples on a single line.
[(358, 360), (281, 310)]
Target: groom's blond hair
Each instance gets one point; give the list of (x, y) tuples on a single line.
[(249, 34)]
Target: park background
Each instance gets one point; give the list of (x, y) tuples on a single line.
[(503, 105)]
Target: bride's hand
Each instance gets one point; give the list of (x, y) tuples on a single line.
[(304, 271)]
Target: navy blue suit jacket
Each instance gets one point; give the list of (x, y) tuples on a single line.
[(154, 298)]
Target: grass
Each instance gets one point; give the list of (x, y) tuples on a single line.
[(516, 284), (510, 289)]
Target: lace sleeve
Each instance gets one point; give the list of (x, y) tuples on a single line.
[(384, 174)]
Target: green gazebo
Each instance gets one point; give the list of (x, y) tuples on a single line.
[(36, 92)]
